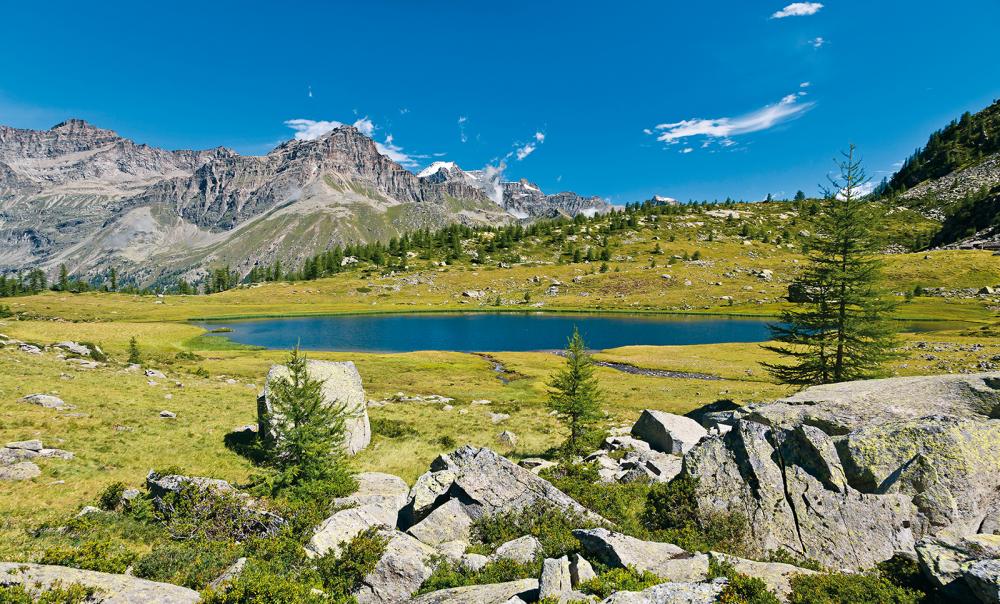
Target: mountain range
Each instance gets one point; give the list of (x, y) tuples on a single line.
[(90, 199)]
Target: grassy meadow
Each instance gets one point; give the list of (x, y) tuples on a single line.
[(117, 434)]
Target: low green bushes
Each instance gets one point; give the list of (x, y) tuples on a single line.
[(392, 428), (552, 526), (447, 574), (192, 564), (101, 555), (619, 579), (57, 594), (840, 588)]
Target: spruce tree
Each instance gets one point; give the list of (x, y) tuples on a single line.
[(63, 278), (840, 329), (308, 434), (576, 398), (134, 356)]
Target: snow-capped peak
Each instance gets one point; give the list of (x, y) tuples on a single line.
[(436, 167)]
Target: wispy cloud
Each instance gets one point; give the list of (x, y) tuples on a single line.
[(723, 128), (461, 128), (523, 150), (307, 130), (805, 84), (818, 42), (798, 9)]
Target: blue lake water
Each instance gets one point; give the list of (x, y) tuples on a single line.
[(496, 332), (472, 332)]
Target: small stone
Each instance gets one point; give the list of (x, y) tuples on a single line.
[(168, 414), (496, 418), (46, 400), (29, 445), (20, 471), (153, 373), (507, 438)]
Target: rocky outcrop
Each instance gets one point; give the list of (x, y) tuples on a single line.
[(110, 589), (664, 560), (497, 593), (376, 503), (851, 473), (341, 388), (484, 483), (404, 566)]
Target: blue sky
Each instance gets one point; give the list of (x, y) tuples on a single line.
[(623, 100)]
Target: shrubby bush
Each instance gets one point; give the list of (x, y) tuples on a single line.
[(671, 514), (550, 525), (447, 574), (392, 428), (101, 555), (839, 588), (619, 579), (740, 589), (342, 574), (260, 583), (189, 563), (73, 593)]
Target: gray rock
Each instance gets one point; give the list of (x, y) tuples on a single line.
[(523, 549), (56, 453), (168, 414), (775, 575), (155, 374), (473, 562), (525, 590), (448, 522), (670, 593), (404, 566), (377, 502), (487, 483), (230, 574), (10, 456), (429, 490), (113, 589), (29, 445), (556, 579), (536, 464), (667, 432), (665, 560), (983, 578), (946, 562), (74, 348), (24, 470), (453, 550), (507, 439), (341, 386), (580, 570), (46, 400)]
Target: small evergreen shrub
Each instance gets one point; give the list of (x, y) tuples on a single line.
[(619, 579), (447, 574), (110, 498), (839, 588), (342, 574), (73, 593), (550, 525), (192, 564), (101, 555), (260, 583)]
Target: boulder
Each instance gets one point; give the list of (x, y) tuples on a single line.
[(46, 400), (453, 550), (525, 590), (947, 561), (74, 348), (376, 503), (523, 549), (112, 589), (536, 464), (11, 456), (28, 445), (670, 593), (667, 432), (775, 575), (556, 579), (448, 522), (404, 566), (473, 562), (153, 373), (983, 579), (507, 439), (665, 560), (486, 484), (341, 386), (580, 570), (24, 470)]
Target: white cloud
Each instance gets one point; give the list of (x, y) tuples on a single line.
[(540, 137), (723, 128), (461, 128), (818, 42), (308, 130), (805, 84), (863, 190), (687, 150), (525, 151), (798, 9)]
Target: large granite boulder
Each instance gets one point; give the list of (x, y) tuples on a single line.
[(664, 560), (497, 593), (948, 564), (556, 579), (523, 550), (376, 503), (851, 473), (341, 386), (111, 589), (484, 483), (983, 579), (448, 522), (667, 432), (404, 566)]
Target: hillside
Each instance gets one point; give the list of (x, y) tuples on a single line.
[(93, 200)]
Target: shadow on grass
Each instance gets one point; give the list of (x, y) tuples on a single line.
[(244, 442)]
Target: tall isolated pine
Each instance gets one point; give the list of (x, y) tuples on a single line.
[(576, 398), (308, 443), (841, 329)]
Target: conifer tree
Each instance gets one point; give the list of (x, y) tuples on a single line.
[(134, 356), (576, 398), (308, 434), (840, 329), (63, 278)]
